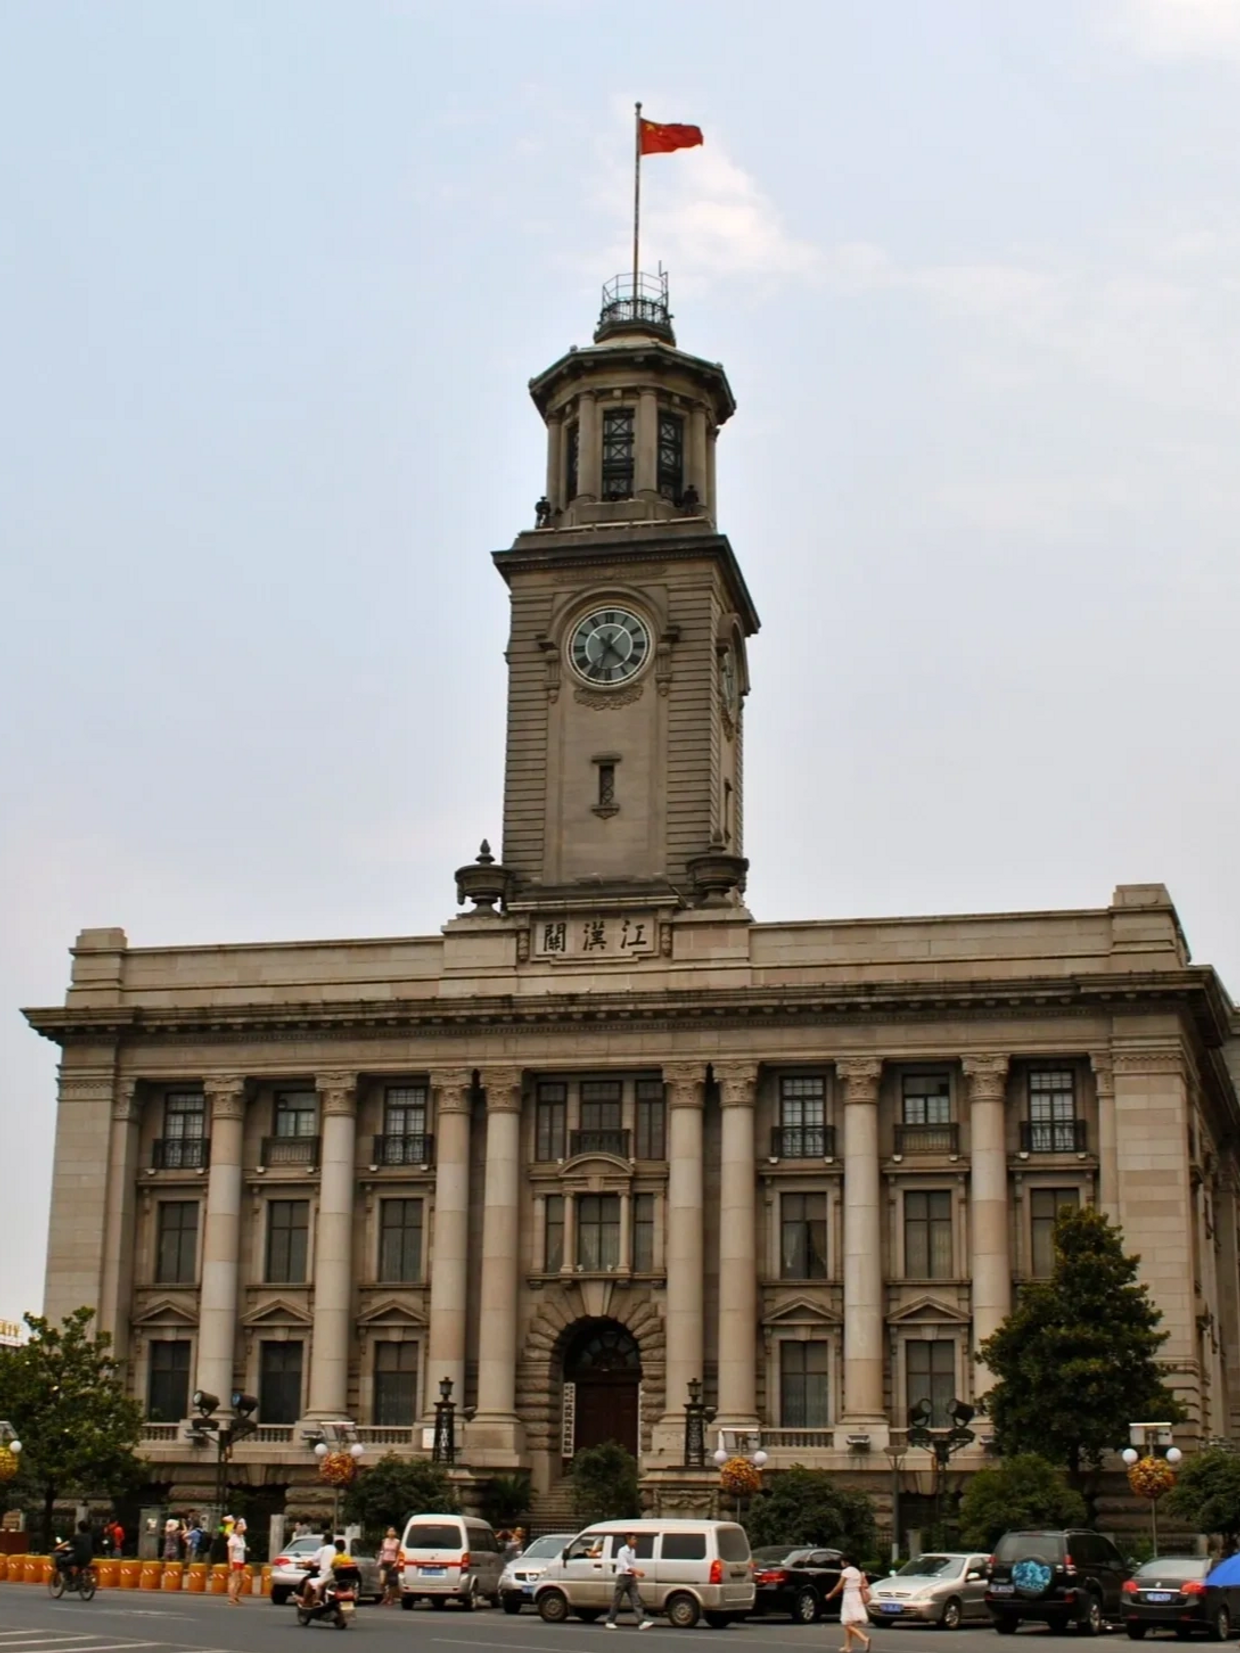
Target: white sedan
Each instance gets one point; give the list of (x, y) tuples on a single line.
[(516, 1582)]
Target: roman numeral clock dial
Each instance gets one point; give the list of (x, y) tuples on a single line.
[(608, 646)]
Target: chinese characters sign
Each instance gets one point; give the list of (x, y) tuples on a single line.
[(595, 937)]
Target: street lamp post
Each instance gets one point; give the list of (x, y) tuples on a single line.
[(697, 1416), (321, 1452), (943, 1441), (895, 1451), (224, 1431), (443, 1443), (1155, 1439), (10, 1451), (722, 1456)]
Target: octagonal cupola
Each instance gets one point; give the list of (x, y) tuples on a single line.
[(631, 420)]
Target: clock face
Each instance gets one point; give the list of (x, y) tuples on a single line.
[(609, 645)]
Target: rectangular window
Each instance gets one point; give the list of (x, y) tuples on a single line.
[(803, 1236), (618, 453), (928, 1235), (606, 785), (396, 1383), (185, 1116), (598, 1231), (1045, 1205), (572, 441), (400, 1241), (651, 1119), (802, 1117), (931, 1373), (643, 1233), (671, 456), (683, 1546), (288, 1225), (927, 1099), (550, 1113), (804, 1402), (167, 1392), (600, 1105), (404, 1110), (1052, 1111), (554, 1231), (279, 1382), (297, 1113), (178, 1243)]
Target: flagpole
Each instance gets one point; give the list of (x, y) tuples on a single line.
[(637, 192)]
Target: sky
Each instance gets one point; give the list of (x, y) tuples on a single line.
[(273, 280)]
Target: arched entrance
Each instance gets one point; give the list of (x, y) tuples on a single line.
[(603, 1365)]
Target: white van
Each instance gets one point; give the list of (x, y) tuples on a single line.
[(693, 1569), (450, 1558)]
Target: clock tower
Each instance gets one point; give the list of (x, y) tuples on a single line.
[(626, 658)]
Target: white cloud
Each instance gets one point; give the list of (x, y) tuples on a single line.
[(1181, 28)]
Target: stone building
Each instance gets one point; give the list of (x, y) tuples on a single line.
[(604, 1134)]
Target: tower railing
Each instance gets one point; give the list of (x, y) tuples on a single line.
[(642, 303)]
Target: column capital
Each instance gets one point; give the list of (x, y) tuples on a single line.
[(453, 1088), (685, 1082), (987, 1075), (861, 1074), (503, 1088), (127, 1101), (338, 1093), (1104, 1072), (226, 1094), (737, 1082)]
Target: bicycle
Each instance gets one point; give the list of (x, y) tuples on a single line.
[(80, 1581)]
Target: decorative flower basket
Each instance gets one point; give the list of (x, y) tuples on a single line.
[(739, 1477), (10, 1463), (338, 1469), (1151, 1477)]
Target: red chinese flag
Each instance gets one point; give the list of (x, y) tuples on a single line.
[(661, 140)]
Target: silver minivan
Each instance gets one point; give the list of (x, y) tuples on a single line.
[(692, 1570), (450, 1558)]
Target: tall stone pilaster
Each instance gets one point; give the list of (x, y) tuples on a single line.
[(116, 1285), (495, 1425), (685, 1083), (1108, 1143), (991, 1261), (221, 1238), (453, 1091), (738, 1251), (863, 1254), (333, 1248)]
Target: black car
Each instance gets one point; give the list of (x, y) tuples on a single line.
[(795, 1580), (1175, 1593), (1057, 1578)]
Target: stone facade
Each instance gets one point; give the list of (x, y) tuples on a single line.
[(605, 1134)]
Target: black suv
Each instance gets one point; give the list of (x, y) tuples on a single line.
[(1058, 1578)]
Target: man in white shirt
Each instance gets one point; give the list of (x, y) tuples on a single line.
[(322, 1559), (627, 1575)]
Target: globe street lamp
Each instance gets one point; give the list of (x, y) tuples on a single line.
[(10, 1451), (739, 1474), (1152, 1474)]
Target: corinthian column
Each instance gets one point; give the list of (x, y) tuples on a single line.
[(684, 1231), (863, 1259), (221, 1238), (1108, 1138), (738, 1258), (991, 1263), (333, 1248), (497, 1337), (117, 1276), (450, 1237)]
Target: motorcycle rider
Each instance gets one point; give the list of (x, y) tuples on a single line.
[(322, 1564)]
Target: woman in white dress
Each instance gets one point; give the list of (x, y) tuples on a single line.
[(854, 1616)]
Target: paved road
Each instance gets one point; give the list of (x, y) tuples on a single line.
[(149, 1623)]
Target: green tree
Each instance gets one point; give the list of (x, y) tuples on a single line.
[(806, 1506), (1075, 1361), (506, 1498), (393, 1489), (1024, 1491), (1207, 1494), (63, 1394), (605, 1484)]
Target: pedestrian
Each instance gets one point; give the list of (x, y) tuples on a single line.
[(236, 1562), (627, 1575), (172, 1540), (390, 1560), (117, 1534), (854, 1607), (193, 1538)]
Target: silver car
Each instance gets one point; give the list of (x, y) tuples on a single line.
[(516, 1582), (944, 1588), (293, 1563)]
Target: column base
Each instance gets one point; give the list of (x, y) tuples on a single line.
[(496, 1441), (875, 1426)]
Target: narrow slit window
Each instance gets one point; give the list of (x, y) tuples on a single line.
[(571, 448), (606, 784), (671, 456)]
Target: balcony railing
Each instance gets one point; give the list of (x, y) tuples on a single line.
[(290, 1150), (389, 1434), (803, 1142), (927, 1139), (1053, 1136), (600, 1142), (273, 1434), (181, 1153), (154, 1432), (403, 1150)]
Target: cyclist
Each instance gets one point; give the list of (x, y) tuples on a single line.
[(76, 1553)]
